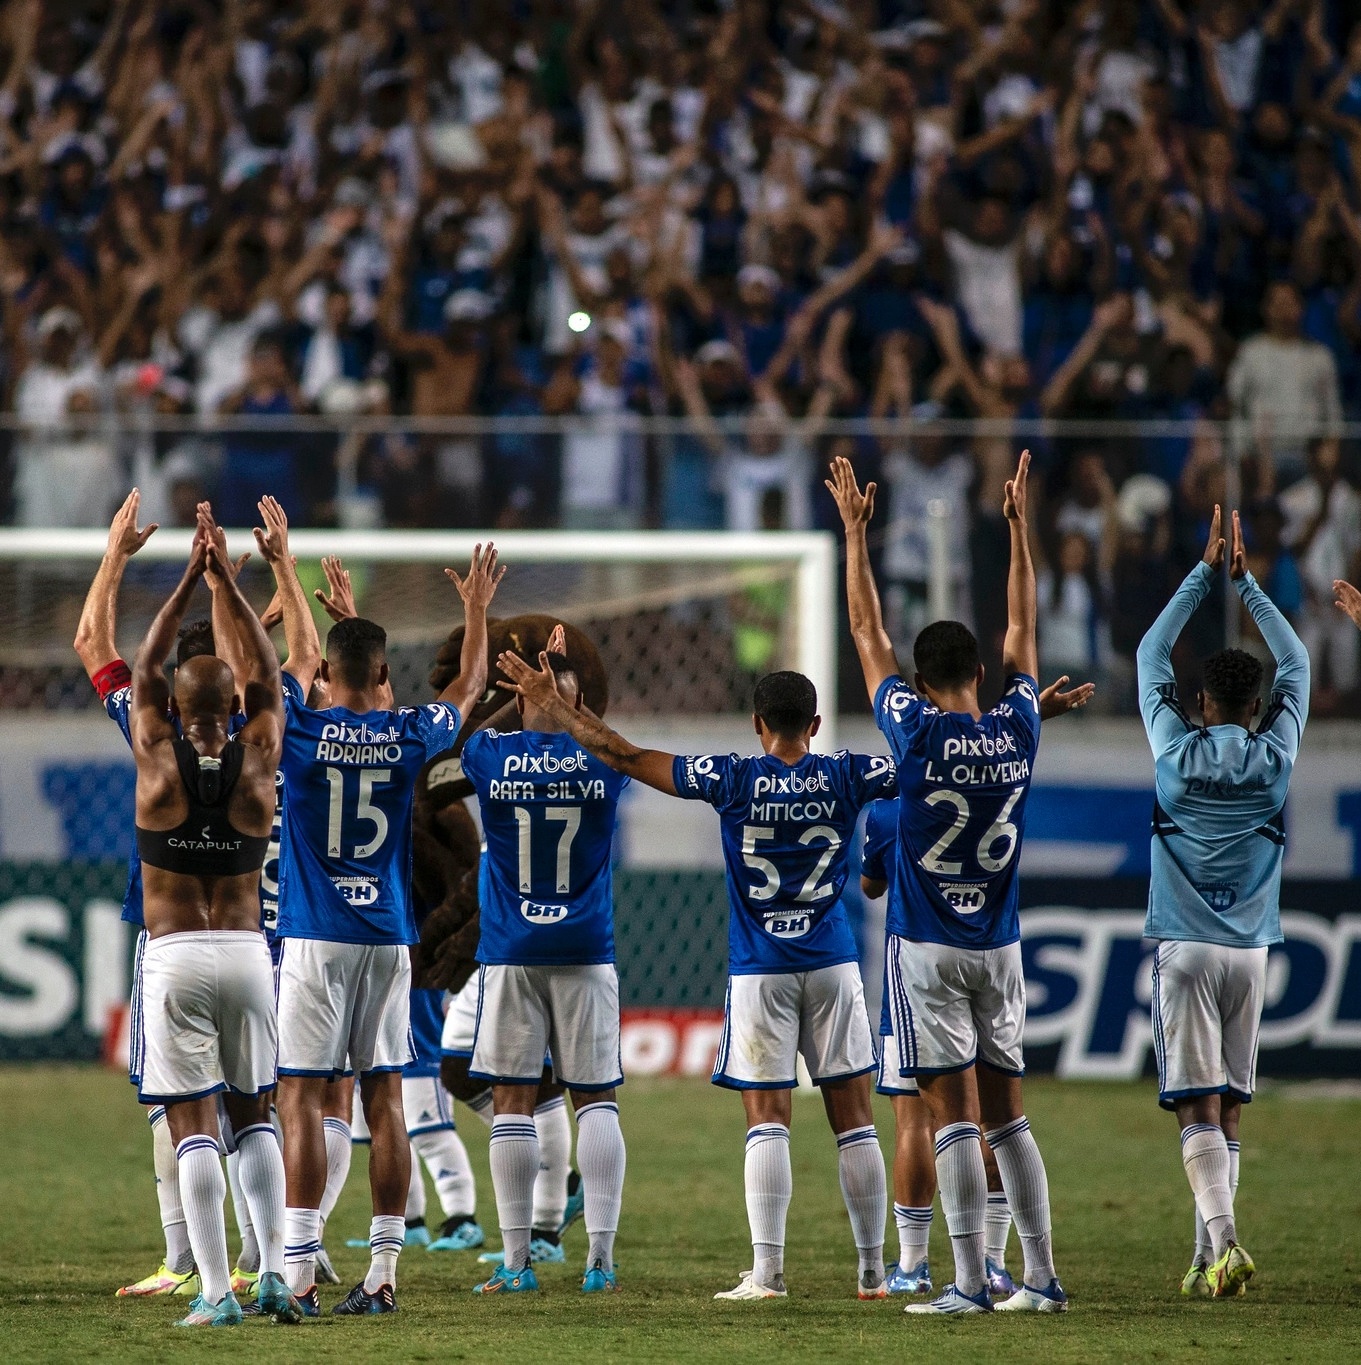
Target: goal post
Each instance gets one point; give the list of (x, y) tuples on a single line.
[(704, 565)]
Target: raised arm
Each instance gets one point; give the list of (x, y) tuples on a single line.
[(1020, 652), (262, 696), (651, 767), (1164, 718), (148, 721), (227, 643), (94, 643), (1291, 683), (476, 590), (300, 631), (875, 649)]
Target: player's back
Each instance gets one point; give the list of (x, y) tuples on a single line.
[(350, 781), (787, 831), (963, 785), (1219, 832), (548, 816)]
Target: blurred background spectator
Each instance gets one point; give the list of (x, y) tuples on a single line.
[(765, 217)]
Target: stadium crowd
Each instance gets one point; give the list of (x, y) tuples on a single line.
[(737, 212)]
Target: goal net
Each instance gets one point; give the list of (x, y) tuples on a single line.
[(684, 622)]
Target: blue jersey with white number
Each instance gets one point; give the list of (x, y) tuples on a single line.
[(548, 816), (118, 704), (787, 831), (349, 784), (427, 1027), (962, 787)]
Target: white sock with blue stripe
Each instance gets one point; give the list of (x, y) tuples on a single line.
[(179, 1257), (514, 1156), (260, 1169), (339, 1149), (602, 1159), (997, 1228), (203, 1188), (1205, 1155), (914, 1234), (864, 1187), (963, 1182), (555, 1160), (1204, 1248), (302, 1241), (769, 1180), (387, 1233), (446, 1158), (1027, 1190), (249, 1258)]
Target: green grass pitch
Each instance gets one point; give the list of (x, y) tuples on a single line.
[(80, 1218)]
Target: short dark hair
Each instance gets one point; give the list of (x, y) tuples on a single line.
[(353, 647), (195, 638), (946, 654), (787, 702), (1232, 679)]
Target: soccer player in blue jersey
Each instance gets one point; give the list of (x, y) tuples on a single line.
[(95, 644), (546, 976), (346, 916), (787, 819), (956, 989), (1214, 893), (914, 1171)]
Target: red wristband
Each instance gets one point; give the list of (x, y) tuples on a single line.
[(111, 677)]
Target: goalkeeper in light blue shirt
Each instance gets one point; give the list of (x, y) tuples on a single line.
[(1215, 886)]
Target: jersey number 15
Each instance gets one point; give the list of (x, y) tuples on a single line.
[(369, 778)]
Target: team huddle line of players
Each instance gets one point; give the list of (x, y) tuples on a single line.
[(219, 1064)]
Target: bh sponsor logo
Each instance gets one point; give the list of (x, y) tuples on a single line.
[(540, 912)]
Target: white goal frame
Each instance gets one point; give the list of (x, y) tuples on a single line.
[(813, 555)]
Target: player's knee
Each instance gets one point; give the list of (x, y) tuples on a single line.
[(848, 1103), (453, 1074), (549, 1089)]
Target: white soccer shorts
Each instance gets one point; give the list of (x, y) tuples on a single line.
[(770, 1018), (570, 1012), (460, 1021), (207, 1016), (1207, 1009), (343, 1006), (952, 1007), (891, 1080)]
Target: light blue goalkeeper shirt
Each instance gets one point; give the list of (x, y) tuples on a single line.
[(1218, 826)]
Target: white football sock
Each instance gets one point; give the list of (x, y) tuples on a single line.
[(446, 1158), (914, 1235), (302, 1241), (555, 1160), (1204, 1248), (387, 1232), (339, 1149), (1205, 1155), (1027, 1189), (203, 1189), (514, 1157), (249, 1259), (601, 1159), (864, 1187), (997, 1228), (261, 1172), (179, 1257), (481, 1105), (963, 1183), (415, 1191), (769, 1179)]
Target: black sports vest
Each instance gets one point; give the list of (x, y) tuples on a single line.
[(205, 844)]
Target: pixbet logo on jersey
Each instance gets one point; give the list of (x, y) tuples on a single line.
[(791, 784), (543, 763), (985, 746)]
